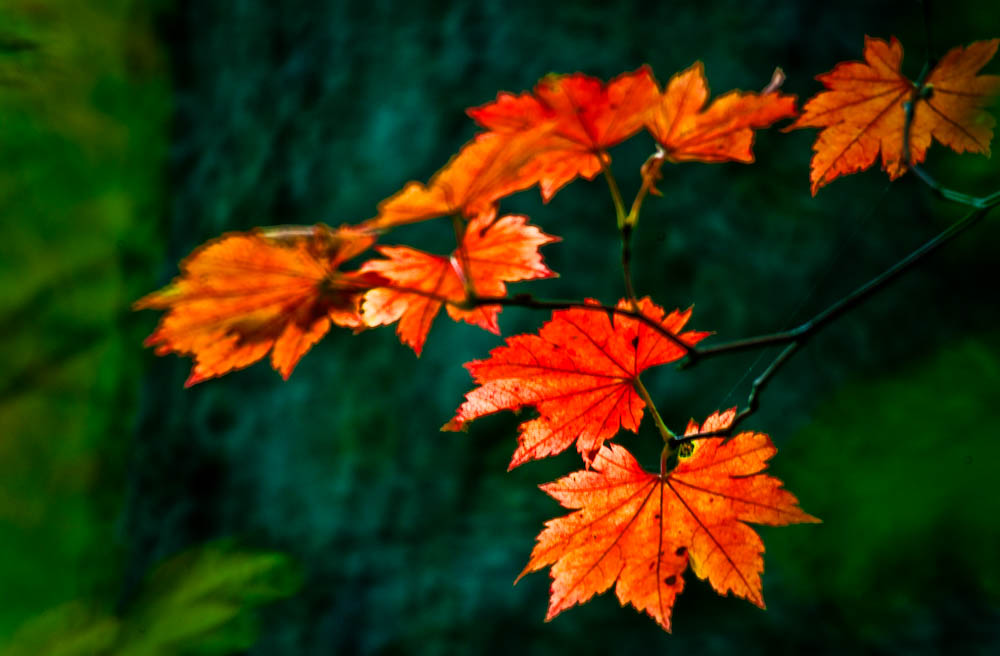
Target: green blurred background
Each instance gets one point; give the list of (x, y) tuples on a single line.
[(327, 514)]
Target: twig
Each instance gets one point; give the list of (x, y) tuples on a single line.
[(798, 336), (980, 202), (753, 400), (807, 329), (625, 231), (528, 301)]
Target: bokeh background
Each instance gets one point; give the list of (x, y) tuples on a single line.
[(327, 514)]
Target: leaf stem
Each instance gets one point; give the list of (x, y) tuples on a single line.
[(650, 175), (667, 434), (616, 194), (669, 448), (626, 238)]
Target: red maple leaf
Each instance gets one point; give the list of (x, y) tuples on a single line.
[(579, 372), (862, 111), (586, 117), (721, 132), (639, 530), (247, 293), (486, 169), (492, 253)]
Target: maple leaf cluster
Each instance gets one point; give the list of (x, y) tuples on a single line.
[(244, 294), (278, 290)]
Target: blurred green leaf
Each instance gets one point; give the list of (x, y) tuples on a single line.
[(202, 601), (84, 103), (73, 629)]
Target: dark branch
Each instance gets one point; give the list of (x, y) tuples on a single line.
[(753, 400), (797, 337), (528, 301)]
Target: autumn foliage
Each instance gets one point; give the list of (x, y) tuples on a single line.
[(579, 373), (271, 290), (639, 530), (278, 290), (492, 252), (862, 112), (580, 116)]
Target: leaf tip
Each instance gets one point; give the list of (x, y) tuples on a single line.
[(456, 425)]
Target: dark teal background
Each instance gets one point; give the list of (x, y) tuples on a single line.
[(131, 132)]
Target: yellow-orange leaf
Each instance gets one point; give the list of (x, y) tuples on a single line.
[(862, 110), (486, 169), (639, 530), (586, 116), (723, 131), (247, 293), (492, 253)]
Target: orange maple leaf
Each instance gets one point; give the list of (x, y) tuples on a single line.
[(862, 110), (486, 169), (247, 293), (579, 372), (492, 253), (640, 530), (721, 132), (587, 117)]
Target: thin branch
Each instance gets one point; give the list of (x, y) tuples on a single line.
[(625, 231), (753, 400), (801, 333), (792, 339), (797, 337), (980, 202), (528, 301), (650, 174)]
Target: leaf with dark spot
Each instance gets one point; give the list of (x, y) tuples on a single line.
[(698, 511)]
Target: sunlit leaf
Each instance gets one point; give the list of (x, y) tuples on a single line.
[(579, 373), (862, 111), (639, 530), (271, 290), (493, 252)]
